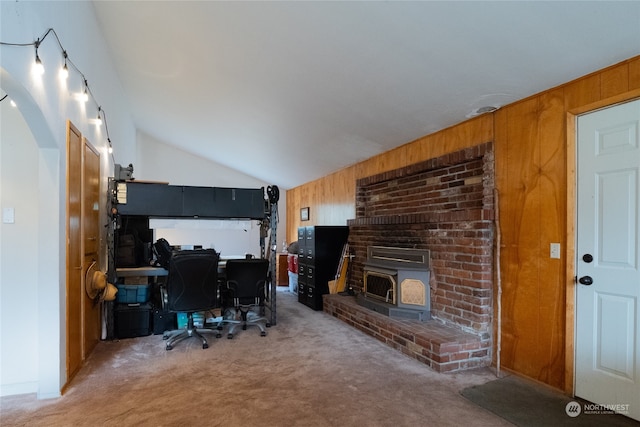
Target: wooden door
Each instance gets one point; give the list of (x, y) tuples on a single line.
[(607, 355), (75, 254), (91, 238)]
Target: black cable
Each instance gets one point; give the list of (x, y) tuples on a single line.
[(68, 61), (106, 131)]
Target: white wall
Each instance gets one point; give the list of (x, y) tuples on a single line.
[(32, 176), (18, 253), (158, 161)]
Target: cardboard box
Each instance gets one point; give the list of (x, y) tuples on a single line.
[(136, 280)]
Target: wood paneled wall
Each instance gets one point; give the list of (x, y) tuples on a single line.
[(534, 148), (331, 199)]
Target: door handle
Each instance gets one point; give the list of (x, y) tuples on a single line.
[(585, 280)]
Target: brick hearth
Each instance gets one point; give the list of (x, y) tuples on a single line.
[(443, 348), (444, 205)]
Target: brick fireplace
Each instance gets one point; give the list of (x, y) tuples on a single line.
[(443, 205)]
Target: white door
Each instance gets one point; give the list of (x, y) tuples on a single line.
[(607, 358)]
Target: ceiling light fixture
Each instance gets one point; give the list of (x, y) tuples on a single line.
[(482, 110)]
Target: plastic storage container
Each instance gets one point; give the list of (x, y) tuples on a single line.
[(292, 271), (132, 320), (198, 319), (133, 294)]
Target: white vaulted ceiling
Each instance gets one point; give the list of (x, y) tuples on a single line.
[(290, 91)]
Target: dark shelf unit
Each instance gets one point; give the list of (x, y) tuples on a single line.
[(179, 201), (132, 204), (319, 251)]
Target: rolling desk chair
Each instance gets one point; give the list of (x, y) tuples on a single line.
[(192, 286), (245, 290)]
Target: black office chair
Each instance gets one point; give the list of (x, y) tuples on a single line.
[(245, 292), (192, 286)]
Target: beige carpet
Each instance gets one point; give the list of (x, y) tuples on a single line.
[(310, 370)]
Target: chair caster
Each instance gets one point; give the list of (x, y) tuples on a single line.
[(244, 327), (165, 337), (218, 335), (268, 325), (169, 347), (205, 346), (229, 336), (263, 333)]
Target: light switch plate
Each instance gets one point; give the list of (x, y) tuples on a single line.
[(8, 215), (554, 251)]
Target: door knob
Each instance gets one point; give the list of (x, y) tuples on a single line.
[(587, 258), (585, 280)]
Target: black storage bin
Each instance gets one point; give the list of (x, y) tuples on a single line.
[(132, 320), (163, 321)]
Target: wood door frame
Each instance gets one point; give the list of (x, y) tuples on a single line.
[(73, 348), (89, 344), (570, 261), (77, 352)]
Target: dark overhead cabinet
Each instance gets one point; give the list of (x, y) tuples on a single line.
[(239, 203), (198, 202), (150, 199), (172, 201)]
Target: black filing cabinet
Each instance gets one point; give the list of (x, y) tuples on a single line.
[(319, 251)]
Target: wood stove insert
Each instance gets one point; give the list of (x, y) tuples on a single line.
[(396, 282)]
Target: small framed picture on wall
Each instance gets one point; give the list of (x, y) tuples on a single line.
[(304, 214)]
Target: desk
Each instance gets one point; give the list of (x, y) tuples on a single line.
[(159, 271)]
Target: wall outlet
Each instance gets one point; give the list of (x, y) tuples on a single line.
[(554, 251)]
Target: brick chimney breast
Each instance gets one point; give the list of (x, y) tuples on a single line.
[(444, 205)]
